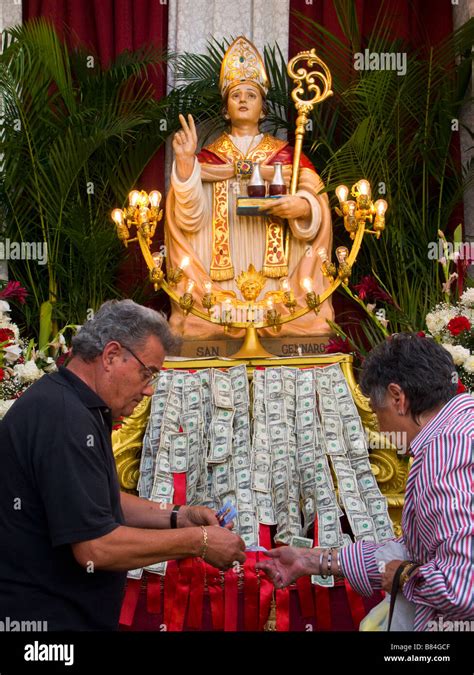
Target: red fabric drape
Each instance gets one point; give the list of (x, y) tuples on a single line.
[(419, 22), (109, 27)]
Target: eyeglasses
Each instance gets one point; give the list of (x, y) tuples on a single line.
[(153, 377)]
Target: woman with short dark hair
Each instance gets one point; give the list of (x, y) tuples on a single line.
[(411, 382)]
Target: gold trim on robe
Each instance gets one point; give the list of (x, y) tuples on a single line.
[(275, 263), (221, 264)]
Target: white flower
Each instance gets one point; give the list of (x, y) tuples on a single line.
[(438, 319), (459, 354), (62, 344), (50, 366), (28, 372), (11, 353), (467, 298), (4, 306), (468, 364), (5, 406)]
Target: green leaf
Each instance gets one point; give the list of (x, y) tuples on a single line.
[(46, 324)]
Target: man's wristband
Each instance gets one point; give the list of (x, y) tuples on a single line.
[(174, 516)]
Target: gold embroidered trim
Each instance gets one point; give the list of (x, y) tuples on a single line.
[(276, 264), (221, 263)]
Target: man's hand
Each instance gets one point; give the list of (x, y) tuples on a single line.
[(288, 206), (286, 564), (194, 516), (184, 147), (224, 548), (387, 576)]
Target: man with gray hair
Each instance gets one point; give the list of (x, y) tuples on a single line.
[(68, 534)]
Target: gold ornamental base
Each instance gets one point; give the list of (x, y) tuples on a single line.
[(252, 347)]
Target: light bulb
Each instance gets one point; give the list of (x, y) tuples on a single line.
[(208, 286), (155, 198), (341, 193), (190, 286), (364, 187), (185, 262), (380, 207), (270, 303), (341, 253), (351, 207), (117, 216), (133, 197), (285, 285), (307, 284), (323, 254)]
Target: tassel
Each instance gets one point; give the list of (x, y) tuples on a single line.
[(275, 271), (222, 275), (271, 621)]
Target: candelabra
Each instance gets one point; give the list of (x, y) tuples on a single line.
[(355, 213)]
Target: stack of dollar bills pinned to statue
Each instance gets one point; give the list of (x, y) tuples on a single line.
[(273, 465)]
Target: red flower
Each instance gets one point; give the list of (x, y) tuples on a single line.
[(458, 325), (421, 333), (369, 291), (6, 335), (2, 374), (461, 388), (14, 291), (338, 345), (63, 358)]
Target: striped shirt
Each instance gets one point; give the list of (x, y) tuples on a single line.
[(437, 522)]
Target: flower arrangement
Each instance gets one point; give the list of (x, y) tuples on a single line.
[(21, 363), (452, 325)]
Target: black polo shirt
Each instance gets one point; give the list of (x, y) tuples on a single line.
[(58, 486)]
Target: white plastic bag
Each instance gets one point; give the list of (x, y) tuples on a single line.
[(377, 618), (403, 618)]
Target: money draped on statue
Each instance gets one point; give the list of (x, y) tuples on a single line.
[(277, 465)]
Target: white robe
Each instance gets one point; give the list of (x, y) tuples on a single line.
[(189, 232)]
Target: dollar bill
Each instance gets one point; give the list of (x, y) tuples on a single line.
[(354, 504), (367, 481), (222, 479), (157, 568), (361, 525), (178, 453), (301, 542), (222, 392)]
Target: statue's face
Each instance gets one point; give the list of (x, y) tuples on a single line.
[(244, 104), (250, 290)]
